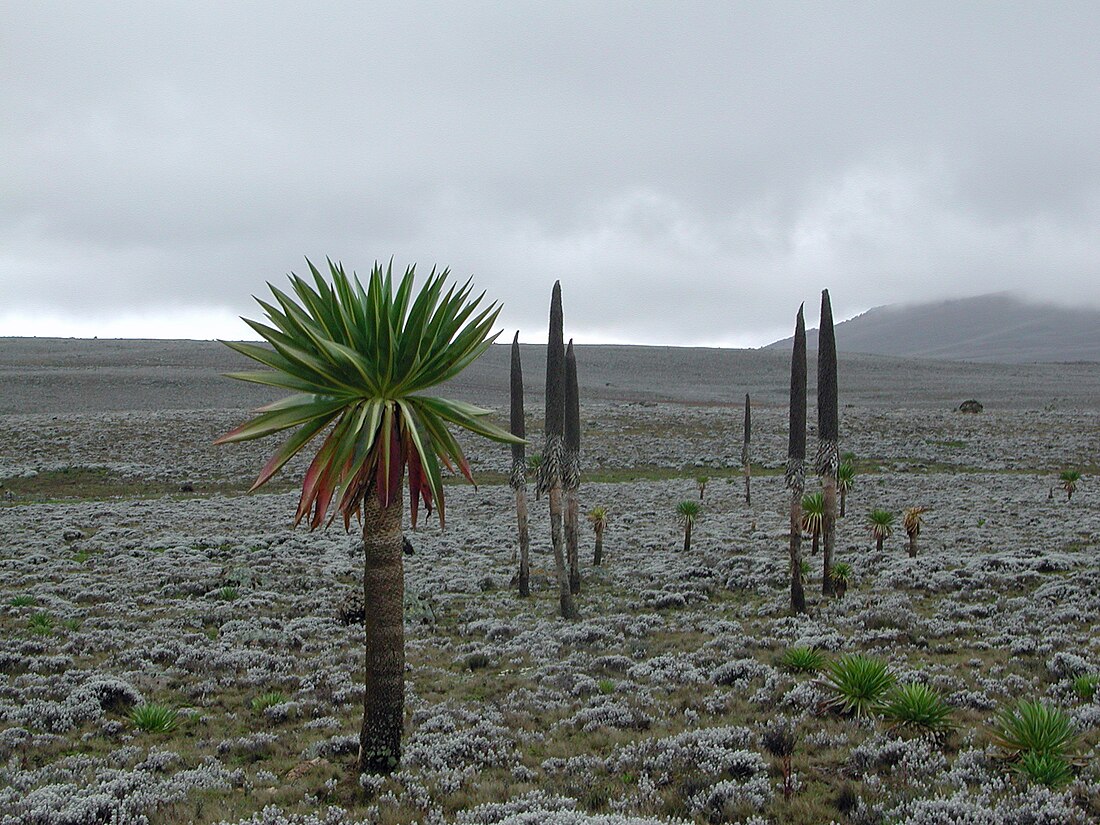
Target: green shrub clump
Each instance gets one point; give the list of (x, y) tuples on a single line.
[(803, 659), (154, 718), (858, 683), (267, 700), (1040, 739), (917, 708)]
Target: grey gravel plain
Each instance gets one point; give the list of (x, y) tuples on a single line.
[(58, 375)]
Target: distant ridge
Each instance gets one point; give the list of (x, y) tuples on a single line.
[(998, 328)]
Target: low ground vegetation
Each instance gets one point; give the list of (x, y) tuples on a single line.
[(687, 693)]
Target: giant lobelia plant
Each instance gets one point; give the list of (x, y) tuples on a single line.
[(359, 362), (551, 470), (518, 480), (796, 459), (571, 469), (828, 446), (745, 458)]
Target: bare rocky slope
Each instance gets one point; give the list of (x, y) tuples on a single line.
[(989, 328)]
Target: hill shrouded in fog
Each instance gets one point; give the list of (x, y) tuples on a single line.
[(993, 328)]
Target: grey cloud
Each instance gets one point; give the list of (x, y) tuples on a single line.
[(691, 171)]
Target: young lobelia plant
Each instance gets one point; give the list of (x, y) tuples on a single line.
[(359, 362), (845, 478), (917, 708), (1045, 769), (841, 574), (1085, 685), (1035, 727), (1069, 479), (858, 683), (881, 525), (912, 520), (687, 513), (813, 516), (701, 482), (153, 718), (803, 659)]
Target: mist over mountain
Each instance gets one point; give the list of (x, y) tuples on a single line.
[(997, 328)]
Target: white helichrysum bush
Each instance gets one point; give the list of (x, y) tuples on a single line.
[(448, 737), (608, 712), (971, 767), (712, 752), (738, 673), (338, 745), (542, 808), (1034, 805), (804, 695), (1064, 665), (668, 669), (917, 759), (716, 802), (273, 815), (254, 745), (116, 796), (86, 702)]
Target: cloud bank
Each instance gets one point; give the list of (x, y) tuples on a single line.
[(691, 172)]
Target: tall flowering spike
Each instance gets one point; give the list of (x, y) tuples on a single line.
[(571, 469), (518, 426), (828, 455), (550, 471), (748, 419), (745, 457), (748, 431), (796, 439), (796, 460)]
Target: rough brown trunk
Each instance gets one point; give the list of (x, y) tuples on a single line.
[(816, 543), (912, 546), (843, 500), (524, 542), (687, 537), (828, 530), (568, 608), (798, 595), (597, 556), (572, 539), (384, 634), (878, 543), (571, 469)]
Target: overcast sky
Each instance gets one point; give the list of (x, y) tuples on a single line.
[(690, 171)]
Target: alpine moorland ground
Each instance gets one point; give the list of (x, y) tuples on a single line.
[(134, 570)]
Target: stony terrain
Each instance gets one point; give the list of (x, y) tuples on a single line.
[(133, 569)]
